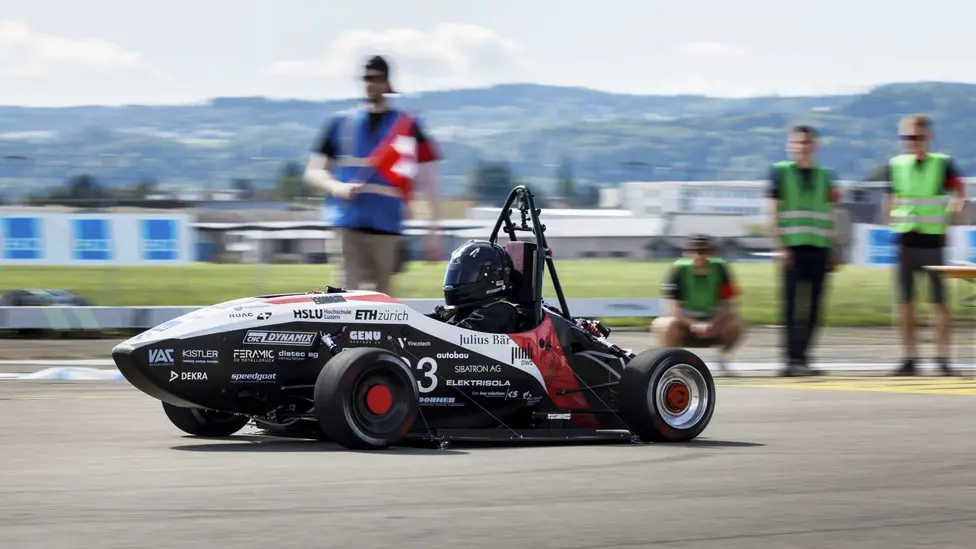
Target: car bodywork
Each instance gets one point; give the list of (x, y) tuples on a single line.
[(260, 357)]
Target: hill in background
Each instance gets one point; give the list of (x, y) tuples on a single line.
[(604, 138)]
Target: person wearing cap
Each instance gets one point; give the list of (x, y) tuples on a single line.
[(701, 291), (919, 208), (802, 221), (370, 205)]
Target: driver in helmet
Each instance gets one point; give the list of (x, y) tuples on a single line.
[(476, 283)]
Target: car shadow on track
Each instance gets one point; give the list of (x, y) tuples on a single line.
[(271, 444), (508, 445), (707, 443)]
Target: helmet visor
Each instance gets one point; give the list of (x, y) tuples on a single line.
[(461, 273)]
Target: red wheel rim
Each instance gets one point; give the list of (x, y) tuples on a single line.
[(677, 396), (379, 399)]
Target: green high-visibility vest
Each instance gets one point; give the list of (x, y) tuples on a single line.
[(699, 292), (806, 217), (918, 202)]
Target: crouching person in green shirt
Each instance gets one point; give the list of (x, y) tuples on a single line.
[(700, 290)]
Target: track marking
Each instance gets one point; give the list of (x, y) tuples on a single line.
[(920, 385)]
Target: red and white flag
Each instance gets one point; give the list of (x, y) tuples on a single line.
[(395, 159)]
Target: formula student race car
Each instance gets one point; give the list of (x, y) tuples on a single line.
[(363, 370)]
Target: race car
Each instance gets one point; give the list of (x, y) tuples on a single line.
[(366, 371)]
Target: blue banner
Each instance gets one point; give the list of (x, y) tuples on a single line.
[(97, 239), (882, 247)]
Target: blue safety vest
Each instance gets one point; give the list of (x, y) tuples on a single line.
[(354, 142)]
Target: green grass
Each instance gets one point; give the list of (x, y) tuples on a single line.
[(856, 297)]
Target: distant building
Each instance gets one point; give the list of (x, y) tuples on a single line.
[(744, 198)]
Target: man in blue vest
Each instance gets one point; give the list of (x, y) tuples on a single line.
[(369, 205)]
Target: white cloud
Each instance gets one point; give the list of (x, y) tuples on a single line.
[(714, 50), (449, 54), (26, 52)]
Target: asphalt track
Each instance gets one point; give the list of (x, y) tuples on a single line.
[(96, 464)]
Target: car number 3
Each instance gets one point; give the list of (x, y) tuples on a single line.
[(428, 367)]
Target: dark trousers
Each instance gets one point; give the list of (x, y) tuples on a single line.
[(803, 285)]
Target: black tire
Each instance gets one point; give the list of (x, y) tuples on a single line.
[(204, 423), (341, 399), (649, 395)]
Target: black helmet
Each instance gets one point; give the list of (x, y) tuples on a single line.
[(478, 270)]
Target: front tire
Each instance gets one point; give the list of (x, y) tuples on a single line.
[(366, 399), (666, 395), (204, 423)]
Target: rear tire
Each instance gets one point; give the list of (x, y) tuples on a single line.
[(204, 423), (366, 399), (666, 395)]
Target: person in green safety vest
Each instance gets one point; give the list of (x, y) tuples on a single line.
[(702, 293), (918, 208), (802, 223)]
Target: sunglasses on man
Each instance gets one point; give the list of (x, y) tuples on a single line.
[(910, 137)]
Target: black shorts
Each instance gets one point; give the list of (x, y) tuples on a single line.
[(911, 262)]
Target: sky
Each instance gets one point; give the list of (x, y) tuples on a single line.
[(112, 52)]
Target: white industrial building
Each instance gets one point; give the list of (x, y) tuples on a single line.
[(664, 198)]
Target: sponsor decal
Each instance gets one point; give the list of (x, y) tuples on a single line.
[(188, 376), (240, 315), (296, 355), (499, 339), (478, 383), (404, 343), (166, 325), (365, 335), (161, 356), (519, 353), (264, 316), (490, 394), (140, 337), (373, 314), (324, 299), (558, 416), (452, 355), (253, 355), (476, 369), (530, 399), (254, 378), (439, 401), (316, 314), (290, 339), (475, 340), (200, 356)]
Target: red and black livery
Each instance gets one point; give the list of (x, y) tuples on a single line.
[(364, 370)]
